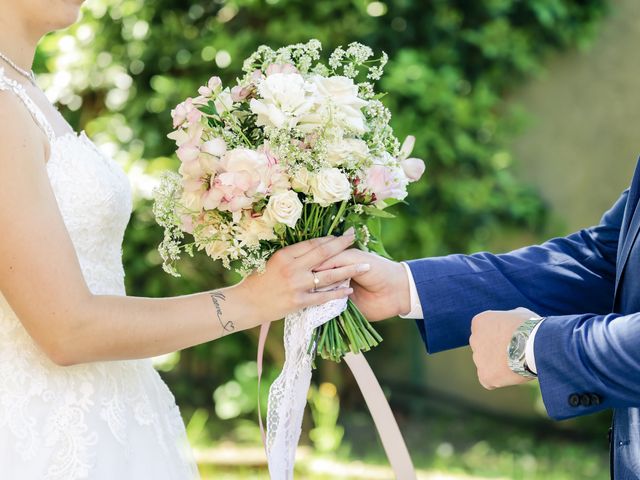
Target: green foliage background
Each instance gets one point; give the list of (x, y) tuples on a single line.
[(453, 62)]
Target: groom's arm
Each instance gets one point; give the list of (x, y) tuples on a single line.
[(586, 363), (562, 276)]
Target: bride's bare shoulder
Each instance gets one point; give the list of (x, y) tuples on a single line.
[(19, 132)]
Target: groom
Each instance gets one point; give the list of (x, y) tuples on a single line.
[(566, 312)]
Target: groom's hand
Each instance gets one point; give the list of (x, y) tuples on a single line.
[(383, 291), (491, 333)]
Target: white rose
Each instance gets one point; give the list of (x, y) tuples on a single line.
[(283, 99), (329, 186), (285, 208), (301, 181), (350, 151)]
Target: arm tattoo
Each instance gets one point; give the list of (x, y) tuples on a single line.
[(227, 327)]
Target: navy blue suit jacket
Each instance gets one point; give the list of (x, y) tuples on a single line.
[(588, 286)]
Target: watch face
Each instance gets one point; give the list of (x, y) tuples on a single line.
[(517, 346)]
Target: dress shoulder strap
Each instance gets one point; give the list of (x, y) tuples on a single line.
[(8, 84)]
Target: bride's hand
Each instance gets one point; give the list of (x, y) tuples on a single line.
[(289, 282)]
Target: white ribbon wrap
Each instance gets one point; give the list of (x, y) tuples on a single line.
[(288, 396), (288, 393)]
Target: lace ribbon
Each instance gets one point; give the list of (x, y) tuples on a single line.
[(288, 396)]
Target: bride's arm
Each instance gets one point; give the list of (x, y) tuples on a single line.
[(40, 275)]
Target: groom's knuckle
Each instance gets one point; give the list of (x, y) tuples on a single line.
[(474, 324), (478, 319)]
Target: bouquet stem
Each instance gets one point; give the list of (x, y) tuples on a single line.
[(349, 332)]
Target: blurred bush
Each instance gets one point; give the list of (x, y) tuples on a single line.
[(119, 71)]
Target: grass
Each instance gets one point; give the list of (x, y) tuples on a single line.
[(443, 445)]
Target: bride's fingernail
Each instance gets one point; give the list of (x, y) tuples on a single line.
[(350, 233), (348, 291), (363, 267)]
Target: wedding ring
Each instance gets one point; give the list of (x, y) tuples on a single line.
[(316, 281)]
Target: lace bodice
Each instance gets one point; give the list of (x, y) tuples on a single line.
[(100, 420)]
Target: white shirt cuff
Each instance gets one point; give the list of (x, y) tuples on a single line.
[(529, 354), (416, 307)]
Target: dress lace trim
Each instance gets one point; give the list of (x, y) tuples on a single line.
[(7, 83)]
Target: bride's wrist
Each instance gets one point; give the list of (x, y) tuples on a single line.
[(249, 309)]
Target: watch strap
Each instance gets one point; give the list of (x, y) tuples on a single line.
[(519, 365)]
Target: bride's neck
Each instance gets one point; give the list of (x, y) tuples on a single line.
[(17, 41)]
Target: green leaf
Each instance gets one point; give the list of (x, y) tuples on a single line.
[(377, 212)]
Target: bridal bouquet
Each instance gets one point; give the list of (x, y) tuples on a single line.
[(297, 149)]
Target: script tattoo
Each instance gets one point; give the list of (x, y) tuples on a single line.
[(217, 297)]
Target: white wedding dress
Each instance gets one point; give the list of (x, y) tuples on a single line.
[(103, 420)]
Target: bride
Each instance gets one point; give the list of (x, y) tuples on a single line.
[(79, 397)]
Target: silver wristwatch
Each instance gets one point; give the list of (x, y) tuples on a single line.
[(518, 347)]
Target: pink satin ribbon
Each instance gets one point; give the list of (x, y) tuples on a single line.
[(388, 430)]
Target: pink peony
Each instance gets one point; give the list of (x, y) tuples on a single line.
[(242, 172)]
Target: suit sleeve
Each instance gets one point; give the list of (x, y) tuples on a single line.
[(591, 357), (560, 277)]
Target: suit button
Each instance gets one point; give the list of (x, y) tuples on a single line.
[(574, 399), (585, 400), (595, 399)]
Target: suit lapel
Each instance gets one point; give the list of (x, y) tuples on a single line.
[(630, 226)]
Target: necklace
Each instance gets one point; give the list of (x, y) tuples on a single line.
[(29, 75)]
